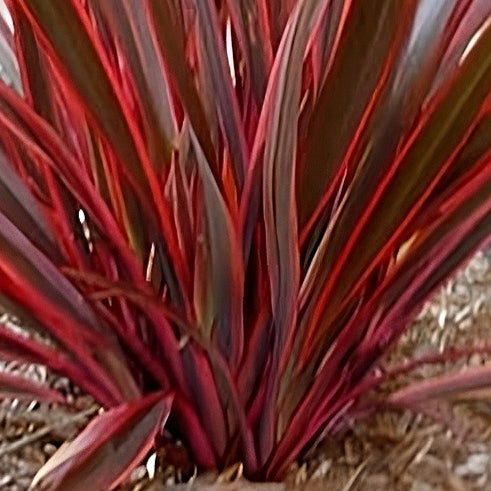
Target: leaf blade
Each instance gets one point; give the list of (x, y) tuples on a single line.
[(19, 387), (107, 450)]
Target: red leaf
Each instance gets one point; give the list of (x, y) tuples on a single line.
[(171, 42), (225, 269), (34, 282), (443, 386), (105, 453), (18, 387), (250, 21), (219, 88), (276, 141)]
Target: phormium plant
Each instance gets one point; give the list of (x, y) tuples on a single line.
[(222, 213)]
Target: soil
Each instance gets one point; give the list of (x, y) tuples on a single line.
[(447, 448)]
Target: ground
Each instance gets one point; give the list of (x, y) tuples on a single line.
[(448, 448)]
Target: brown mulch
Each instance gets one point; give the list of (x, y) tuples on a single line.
[(448, 448)]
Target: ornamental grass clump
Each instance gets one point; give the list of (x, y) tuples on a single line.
[(219, 215)]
